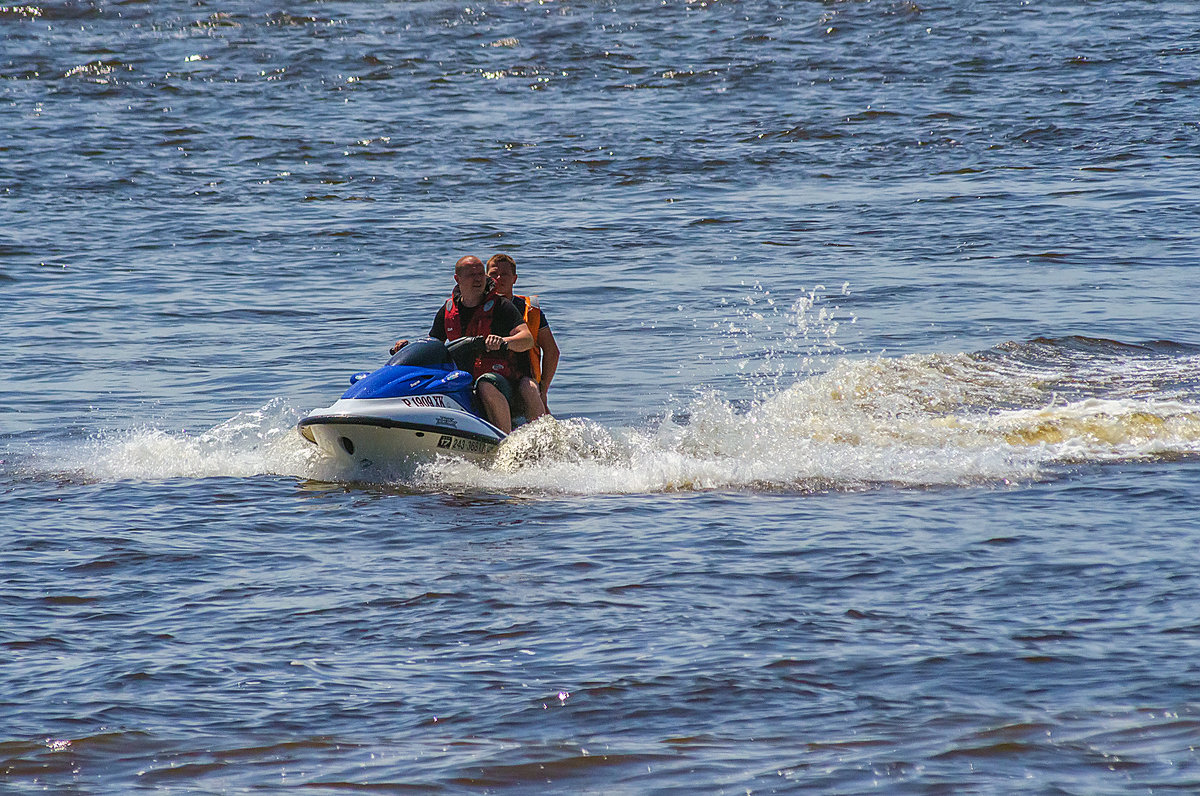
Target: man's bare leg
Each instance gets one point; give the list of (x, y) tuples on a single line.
[(495, 406), (531, 398)]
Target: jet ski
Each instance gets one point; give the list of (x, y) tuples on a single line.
[(419, 405)]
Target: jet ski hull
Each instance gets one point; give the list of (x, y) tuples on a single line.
[(418, 406), (397, 433)]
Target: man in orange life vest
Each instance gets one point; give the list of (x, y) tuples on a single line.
[(474, 309), (539, 367)]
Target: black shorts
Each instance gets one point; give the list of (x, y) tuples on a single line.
[(501, 383)]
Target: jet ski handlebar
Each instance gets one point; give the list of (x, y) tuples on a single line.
[(433, 353), (464, 350)]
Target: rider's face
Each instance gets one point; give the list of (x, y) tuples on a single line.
[(503, 277), (471, 278)]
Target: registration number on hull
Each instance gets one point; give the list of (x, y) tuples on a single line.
[(460, 445)]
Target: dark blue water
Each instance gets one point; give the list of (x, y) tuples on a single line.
[(875, 460)]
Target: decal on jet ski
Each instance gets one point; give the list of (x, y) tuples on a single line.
[(434, 401)]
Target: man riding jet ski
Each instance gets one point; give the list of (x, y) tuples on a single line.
[(475, 308), (432, 396), (416, 406)]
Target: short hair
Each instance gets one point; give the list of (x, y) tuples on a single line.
[(469, 259), (503, 258)]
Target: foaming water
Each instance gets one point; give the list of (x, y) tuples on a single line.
[(915, 421), (922, 420), (258, 442)]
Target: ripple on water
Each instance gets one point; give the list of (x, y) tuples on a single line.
[(782, 537)]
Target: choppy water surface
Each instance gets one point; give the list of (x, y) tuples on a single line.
[(875, 458)]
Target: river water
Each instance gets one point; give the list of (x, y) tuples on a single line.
[(877, 443)]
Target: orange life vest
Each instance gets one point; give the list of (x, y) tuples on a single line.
[(533, 319)]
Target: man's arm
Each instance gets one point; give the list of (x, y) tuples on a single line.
[(519, 339), (507, 316), (549, 348)]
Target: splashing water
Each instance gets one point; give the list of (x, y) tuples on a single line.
[(770, 342), (1014, 412), (259, 442), (919, 420)]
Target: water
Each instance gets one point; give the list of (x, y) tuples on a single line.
[(875, 460)]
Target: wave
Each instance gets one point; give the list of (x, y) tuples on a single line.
[(259, 442), (1016, 412), (914, 421)]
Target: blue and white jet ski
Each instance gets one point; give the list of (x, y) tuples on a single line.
[(417, 406)]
